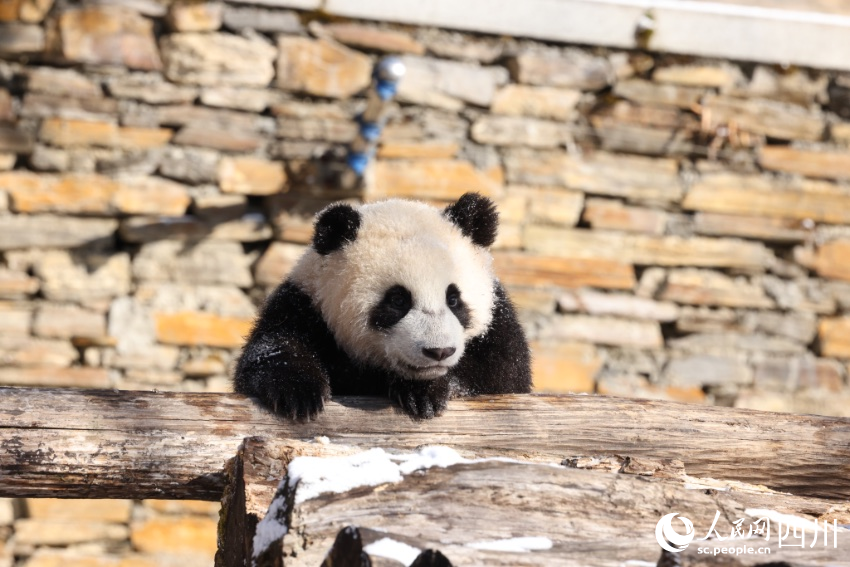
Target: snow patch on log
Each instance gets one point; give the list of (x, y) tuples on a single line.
[(309, 477), (392, 549)]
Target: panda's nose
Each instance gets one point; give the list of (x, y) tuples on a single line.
[(438, 353)]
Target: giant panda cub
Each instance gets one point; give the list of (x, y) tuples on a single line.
[(395, 298)]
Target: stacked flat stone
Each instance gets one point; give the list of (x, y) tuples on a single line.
[(672, 227)]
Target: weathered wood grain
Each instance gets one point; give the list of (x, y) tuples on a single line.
[(252, 479), (591, 517), (114, 444)]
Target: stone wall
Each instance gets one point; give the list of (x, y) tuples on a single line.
[(671, 228)]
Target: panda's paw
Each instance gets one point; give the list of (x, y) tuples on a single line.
[(303, 401), (420, 399)]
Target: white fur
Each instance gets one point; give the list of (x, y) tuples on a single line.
[(404, 243)]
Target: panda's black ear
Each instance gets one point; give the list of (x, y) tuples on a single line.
[(335, 226), (476, 216)]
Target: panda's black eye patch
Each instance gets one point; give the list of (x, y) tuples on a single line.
[(457, 306), (392, 308)]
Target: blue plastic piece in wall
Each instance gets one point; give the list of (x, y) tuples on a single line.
[(386, 89), (370, 131), (358, 162)]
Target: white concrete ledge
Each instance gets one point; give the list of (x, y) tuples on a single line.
[(706, 29)]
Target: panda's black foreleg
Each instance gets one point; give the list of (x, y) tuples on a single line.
[(284, 380), (282, 363), (420, 399)]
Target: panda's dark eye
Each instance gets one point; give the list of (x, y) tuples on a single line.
[(452, 299), (398, 300), (457, 306), (392, 308)]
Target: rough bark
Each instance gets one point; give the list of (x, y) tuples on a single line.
[(590, 516), (118, 444)]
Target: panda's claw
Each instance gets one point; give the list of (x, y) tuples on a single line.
[(419, 399), (300, 401)]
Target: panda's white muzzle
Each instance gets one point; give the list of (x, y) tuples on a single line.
[(425, 344)]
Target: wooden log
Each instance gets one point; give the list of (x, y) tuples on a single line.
[(486, 512), (252, 479), (113, 444)]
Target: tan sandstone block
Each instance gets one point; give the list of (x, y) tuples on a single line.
[(841, 132), (68, 321), (429, 179), (276, 263), (67, 132), (519, 131), (645, 249), (7, 162), (214, 59), (539, 102), (9, 10), (251, 176), (321, 68), (204, 366), (130, 138), (529, 270), (834, 335), (108, 35), (781, 120), (194, 328), (62, 82), (196, 16), (77, 133), (832, 260), (195, 535), (181, 507), (81, 279), (551, 205), (151, 196), (565, 367), (658, 94), (562, 68), (822, 164), (719, 77), (631, 177), (76, 193), (370, 37), (706, 287), (117, 511), (52, 231), (23, 39), (15, 319), (75, 377), (756, 196), (7, 513), (750, 226), (447, 84), (618, 305), (16, 284), (31, 351), (47, 557), (61, 532), (611, 331), (218, 138), (7, 109), (614, 215), (418, 150), (540, 300)]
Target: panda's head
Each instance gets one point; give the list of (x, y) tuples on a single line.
[(403, 285)]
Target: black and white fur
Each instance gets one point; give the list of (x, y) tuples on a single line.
[(394, 298)]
